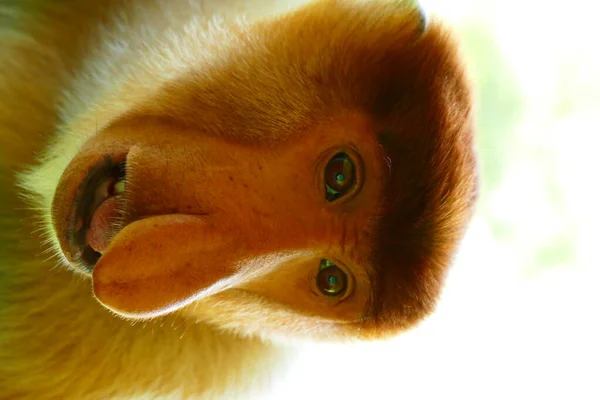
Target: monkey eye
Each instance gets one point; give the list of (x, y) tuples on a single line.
[(339, 176), (331, 280)]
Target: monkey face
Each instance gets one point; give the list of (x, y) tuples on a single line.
[(315, 180), (194, 215)]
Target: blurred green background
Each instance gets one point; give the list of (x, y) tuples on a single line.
[(537, 72), (519, 317)]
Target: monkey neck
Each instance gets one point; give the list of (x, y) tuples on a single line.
[(51, 316), (57, 331), (51, 327)]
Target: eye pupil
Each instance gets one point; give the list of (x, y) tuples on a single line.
[(339, 176), (331, 280)]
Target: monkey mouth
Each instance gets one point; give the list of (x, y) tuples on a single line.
[(96, 215)]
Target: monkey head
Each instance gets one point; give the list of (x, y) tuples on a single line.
[(307, 175)]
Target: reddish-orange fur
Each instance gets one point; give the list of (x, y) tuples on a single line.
[(281, 91)]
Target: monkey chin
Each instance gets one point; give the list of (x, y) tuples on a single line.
[(82, 214)]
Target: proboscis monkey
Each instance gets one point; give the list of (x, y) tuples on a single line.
[(187, 184)]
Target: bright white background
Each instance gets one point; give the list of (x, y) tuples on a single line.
[(520, 316)]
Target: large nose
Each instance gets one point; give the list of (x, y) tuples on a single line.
[(201, 210), (161, 263)]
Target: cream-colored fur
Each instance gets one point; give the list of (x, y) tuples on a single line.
[(57, 88)]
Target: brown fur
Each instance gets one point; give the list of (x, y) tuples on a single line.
[(272, 93)]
